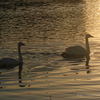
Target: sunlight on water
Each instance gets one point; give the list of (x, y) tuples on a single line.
[(47, 29), (93, 18)]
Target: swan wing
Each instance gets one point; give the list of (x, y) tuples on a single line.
[(8, 63)]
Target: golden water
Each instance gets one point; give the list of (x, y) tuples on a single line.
[(47, 29)]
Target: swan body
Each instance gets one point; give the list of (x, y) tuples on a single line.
[(78, 51), (8, 63), (74, 51)]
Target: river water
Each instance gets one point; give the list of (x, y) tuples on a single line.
[(47, 29)]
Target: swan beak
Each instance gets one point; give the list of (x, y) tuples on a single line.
[(23, 44), (91, 36)]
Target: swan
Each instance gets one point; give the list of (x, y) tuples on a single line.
[(9, 63), (78, 51)]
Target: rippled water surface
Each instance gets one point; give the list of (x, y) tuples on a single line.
[(47, 29)]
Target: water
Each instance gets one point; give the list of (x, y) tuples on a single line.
[(47, 29)]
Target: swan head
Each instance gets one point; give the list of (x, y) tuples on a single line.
[(21, 44), (88, 36)]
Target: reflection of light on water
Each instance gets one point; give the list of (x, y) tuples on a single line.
[(93, 18), (63, 77)]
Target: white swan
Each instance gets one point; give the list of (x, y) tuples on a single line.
[(78, 51)]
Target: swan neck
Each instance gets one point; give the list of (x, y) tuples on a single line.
[(19, 54), (87, 45)]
